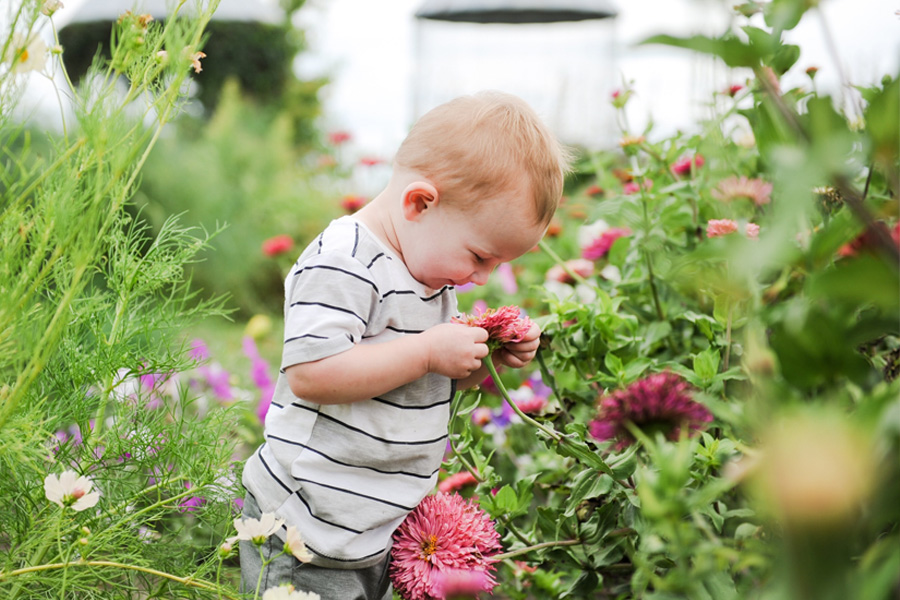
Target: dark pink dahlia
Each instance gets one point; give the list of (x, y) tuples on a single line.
[(444, 535), (660, 402)]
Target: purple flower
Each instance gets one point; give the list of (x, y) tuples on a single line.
[(191, 503), (660, 402)]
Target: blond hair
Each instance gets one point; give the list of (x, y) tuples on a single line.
[(474, 147)]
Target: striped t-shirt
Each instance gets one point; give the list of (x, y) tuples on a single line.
[(346, 475)]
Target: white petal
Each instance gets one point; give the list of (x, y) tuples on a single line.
[(53, 489), (86, 501)]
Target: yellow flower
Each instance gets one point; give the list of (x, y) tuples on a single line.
[(26, 54)]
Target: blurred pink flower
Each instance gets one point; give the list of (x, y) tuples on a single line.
[(686, 164), (720, 227), (531, 405), (353, 203), (339, 137), (580, 266), (632, 187), (445, 533), (460, 583), (659, 402), (733, 188), (507, 278), (370, 161), (277, 245), (734, 89), (504, 325), (599, 248), (457, 481), (594, 190)]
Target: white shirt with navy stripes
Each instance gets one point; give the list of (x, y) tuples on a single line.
[(346, 475)]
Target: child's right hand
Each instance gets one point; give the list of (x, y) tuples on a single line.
[(455, 350)]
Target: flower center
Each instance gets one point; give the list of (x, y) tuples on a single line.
[(24, 56), (429, 547)]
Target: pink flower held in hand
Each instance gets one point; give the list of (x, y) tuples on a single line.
[(504, 325), (444, 534), (660, 402), (277, 245)]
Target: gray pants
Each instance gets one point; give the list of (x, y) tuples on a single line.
[(371, 583)]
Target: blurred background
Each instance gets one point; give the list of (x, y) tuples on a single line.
[(300, 103)]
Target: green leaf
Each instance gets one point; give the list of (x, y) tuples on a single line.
[(860, 281), (706, 364), (883, 122), (783, 15), (730, 49), (506, 501)]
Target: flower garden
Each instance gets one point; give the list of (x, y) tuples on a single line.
[(714, 412)]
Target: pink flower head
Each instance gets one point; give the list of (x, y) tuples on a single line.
[(457, 481), (507, 278), (277, 245), (370, 161), (444, 534), (867, 241), (734, 89), (339, 137), (686, 164), (460, 583), (733, 188), (504, 325), (599, 248), (720, 227), (632, 187), (660, 402), (580, 266), (351, 204)]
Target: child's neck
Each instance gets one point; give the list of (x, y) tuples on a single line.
[(377, 218)]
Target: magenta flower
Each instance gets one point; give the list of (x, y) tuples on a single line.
[(660, 402), (277, 245), (599, 248), (580, 266), (443, 535), (686, 164), (504, 325), (733, 188)]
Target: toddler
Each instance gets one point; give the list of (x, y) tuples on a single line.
[(357, 428)]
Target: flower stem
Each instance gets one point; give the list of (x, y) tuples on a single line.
[(554, 435), (521, 551), (556, 258), (187, 581)]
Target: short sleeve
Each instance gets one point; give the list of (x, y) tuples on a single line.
[(330, 299)]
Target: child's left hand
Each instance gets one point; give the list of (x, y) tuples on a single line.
[(518, 354)]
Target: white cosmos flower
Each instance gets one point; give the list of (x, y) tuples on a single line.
[(26, 54), (257, 530), (287, 592), (293, 543), (50, 7), (70, 490)]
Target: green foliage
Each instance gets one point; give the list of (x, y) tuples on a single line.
[(92, 301), (789, 340), (242, 170)]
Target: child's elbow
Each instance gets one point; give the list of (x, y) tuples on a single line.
[(302, 382)]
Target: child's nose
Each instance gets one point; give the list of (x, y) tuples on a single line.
[(480, 277)]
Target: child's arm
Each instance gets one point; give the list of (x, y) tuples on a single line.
[(515, 355), (369, 370)]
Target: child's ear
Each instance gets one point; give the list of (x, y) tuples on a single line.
[(418, 198)]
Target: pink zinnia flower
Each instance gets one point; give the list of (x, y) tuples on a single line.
[(685, 165), (277, 245), (632, 187), (444, 534), (732, 188), (504, 325), (599, 248), (720, 227), (661, 402), (457, 481)]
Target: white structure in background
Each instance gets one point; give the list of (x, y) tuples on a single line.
[(558, 55)]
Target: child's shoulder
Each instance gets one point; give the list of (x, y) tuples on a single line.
[(345, 238)]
